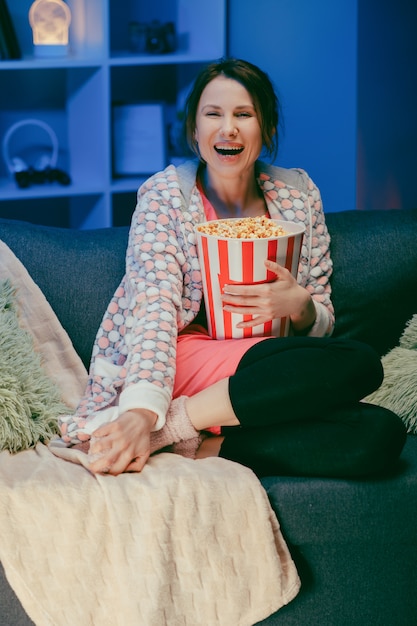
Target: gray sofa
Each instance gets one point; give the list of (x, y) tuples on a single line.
[(354, 542)]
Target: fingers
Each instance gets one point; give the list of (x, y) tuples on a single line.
[(137, 464), (254, 298), (263, 301), (255, 321), (115, 464), (100, 456), (114, 454), (272, 266), (125, 463), (244, 294), (123, 443), (281, 272)]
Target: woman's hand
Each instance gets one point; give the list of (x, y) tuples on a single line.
[(123, 445), (283, 297)]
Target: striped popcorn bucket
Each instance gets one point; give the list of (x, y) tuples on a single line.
[(226, 260)]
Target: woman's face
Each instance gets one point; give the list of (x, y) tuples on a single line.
[(227, 128)]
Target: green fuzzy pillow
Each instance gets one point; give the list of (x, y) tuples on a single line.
[(29, 401), (398, 391)]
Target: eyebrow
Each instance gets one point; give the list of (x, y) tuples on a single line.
[(216, 106)]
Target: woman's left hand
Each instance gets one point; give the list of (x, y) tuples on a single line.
[(122, 445), (283, 297)]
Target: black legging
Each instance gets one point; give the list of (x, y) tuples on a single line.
[(298, 403)]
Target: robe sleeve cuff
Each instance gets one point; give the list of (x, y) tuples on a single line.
[(323, 326), (145, 395)]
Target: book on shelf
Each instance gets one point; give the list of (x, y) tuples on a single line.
[(9, 44)]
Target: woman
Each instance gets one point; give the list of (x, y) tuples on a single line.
[(278, 405)]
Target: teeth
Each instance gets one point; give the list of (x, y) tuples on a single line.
[(228, 149)]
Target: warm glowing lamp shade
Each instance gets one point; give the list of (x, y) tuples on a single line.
[(50, 20)]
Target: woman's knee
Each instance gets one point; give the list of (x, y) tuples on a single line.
[(383, 438), (363, 363)]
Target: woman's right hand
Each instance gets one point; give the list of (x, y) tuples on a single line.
[(282, 297), (124, 444)]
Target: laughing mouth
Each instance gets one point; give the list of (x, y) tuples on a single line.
[(229, 150)]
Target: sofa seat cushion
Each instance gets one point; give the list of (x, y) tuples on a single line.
[(321, 511)]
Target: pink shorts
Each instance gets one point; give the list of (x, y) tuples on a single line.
[(203, 361)]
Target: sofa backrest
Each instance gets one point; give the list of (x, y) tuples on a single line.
[(374, 281), (77, 270)]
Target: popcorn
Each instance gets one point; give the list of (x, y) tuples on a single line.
[(243, 228)]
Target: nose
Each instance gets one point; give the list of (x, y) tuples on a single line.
[(229, 127)]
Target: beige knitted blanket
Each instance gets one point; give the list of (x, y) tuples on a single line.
[(183, 543)]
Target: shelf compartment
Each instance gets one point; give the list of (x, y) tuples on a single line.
[(65, 100), (169, 84), (87, 33), (188, 17)]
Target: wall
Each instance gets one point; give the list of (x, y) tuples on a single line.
[(387, 104), (346, 74), (309, 51)]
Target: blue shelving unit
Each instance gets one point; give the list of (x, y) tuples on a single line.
[(75, 94)]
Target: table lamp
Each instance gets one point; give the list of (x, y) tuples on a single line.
[(50, 20)]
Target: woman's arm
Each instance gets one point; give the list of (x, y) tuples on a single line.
[(154, 284), (319, 265), (307, 299)]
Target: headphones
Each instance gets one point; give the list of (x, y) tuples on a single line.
[(45, 171)]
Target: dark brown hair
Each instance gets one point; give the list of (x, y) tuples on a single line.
[(257, 84)]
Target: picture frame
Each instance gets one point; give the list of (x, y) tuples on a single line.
[(139, 138)]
